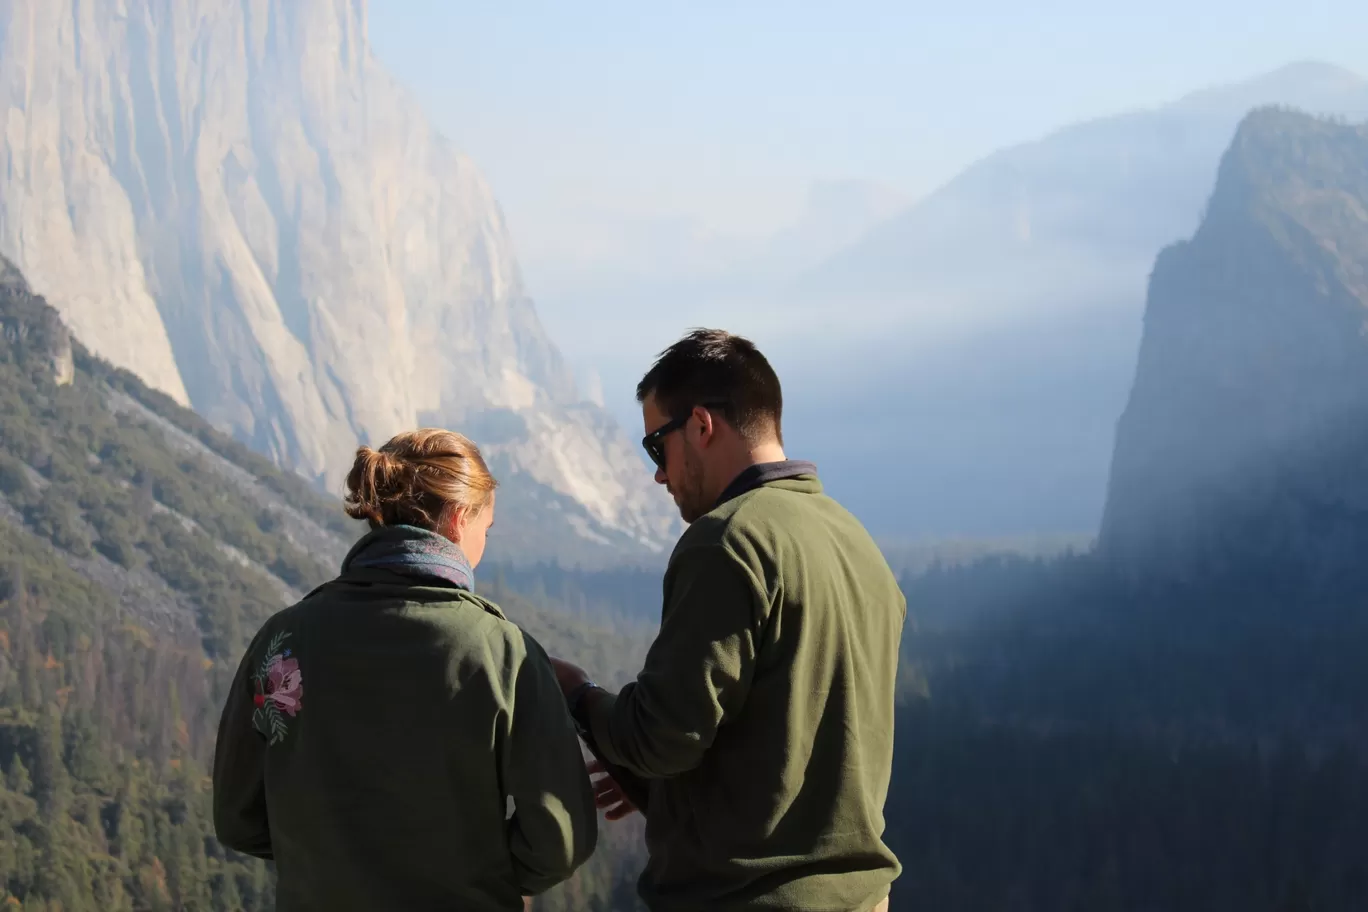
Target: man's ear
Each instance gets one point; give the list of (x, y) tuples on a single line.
[(707, 426)]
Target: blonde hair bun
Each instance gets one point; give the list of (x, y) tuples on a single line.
[(417, 479)]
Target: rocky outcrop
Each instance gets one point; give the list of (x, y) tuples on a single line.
[(233, 200), (1246, 434)]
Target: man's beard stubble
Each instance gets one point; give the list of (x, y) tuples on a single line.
[(690, 499)]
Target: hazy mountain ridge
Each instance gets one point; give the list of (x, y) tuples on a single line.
[(1124, 185), (997, 321), (236, 202)]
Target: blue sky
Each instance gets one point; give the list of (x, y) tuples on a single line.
[(616, 133), (724, 111)]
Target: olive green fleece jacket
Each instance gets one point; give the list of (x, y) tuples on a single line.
[(762, 720), (370, 744)]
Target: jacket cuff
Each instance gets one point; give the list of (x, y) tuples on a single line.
[(598, 709)]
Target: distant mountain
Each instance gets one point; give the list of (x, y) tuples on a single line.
[(653, 278), (979, 345), (1046, 223), (613, 247), (235, 202), (836, 214), (1246, 434)]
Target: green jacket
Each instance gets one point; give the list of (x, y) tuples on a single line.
[(762, 720), (373, 740)]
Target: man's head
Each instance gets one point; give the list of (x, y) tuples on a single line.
[(711, 406)]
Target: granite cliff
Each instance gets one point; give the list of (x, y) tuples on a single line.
[(234, 201)]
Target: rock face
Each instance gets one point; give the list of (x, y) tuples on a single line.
[(233, 200), (1246, 433)]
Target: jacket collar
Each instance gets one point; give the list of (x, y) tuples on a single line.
[(762, 473)]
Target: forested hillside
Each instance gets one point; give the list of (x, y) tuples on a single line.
[(139, 549), (1078, 742)]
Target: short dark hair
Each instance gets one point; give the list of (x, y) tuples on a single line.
[(721, 370)]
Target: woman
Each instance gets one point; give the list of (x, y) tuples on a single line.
[(376, 730)]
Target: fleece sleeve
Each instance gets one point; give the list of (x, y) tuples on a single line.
[(554, 826), (240, 820), (697, 671)]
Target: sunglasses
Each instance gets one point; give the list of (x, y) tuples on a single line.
[(654, 442)]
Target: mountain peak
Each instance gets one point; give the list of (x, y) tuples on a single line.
[(1284, 130), (1309, 85), (1311, 72), (1299, 175)]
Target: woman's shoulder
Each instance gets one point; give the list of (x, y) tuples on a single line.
[(498, 627), (477, 622)]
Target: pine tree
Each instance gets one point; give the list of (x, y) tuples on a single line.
[(51, 781), (110, 893), (17, 777)]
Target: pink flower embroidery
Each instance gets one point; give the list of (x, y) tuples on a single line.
[(279, 685), (285, 684)]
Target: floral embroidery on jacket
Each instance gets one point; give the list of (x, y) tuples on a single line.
[(279, 690)]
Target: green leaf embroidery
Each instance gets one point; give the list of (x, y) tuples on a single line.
[(267, 717), (271, 651)]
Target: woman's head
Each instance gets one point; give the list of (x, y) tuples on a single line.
[(430, 478)]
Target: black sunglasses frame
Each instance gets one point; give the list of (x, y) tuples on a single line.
[(653, 443)]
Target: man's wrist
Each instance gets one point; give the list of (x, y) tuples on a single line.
[(576, 702)]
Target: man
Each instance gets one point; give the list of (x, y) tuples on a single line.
[(762, 723)]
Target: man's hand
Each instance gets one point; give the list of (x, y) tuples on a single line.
[(569, 676), (608, 795)]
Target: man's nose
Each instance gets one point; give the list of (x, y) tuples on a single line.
[(660, 476)]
